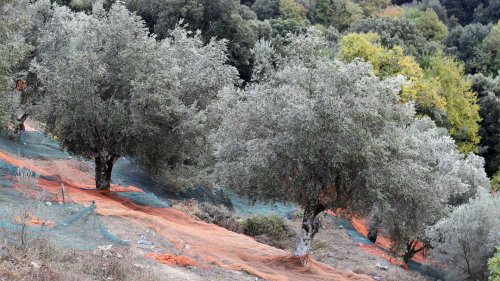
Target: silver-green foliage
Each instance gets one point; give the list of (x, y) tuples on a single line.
[(317, 125), (431, 175), (110, 89), (14, 22), (308, 130), (331, 135), (467, 237)]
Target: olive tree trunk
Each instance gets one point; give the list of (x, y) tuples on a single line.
[(104, 162), (310, 226), (20, 122), (373, 225), (411, 250)]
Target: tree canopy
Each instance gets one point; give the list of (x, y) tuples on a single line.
[(487, 56), (331, 135), (222, 19), (14, 49), (440, 91), (488, 90), (464, 41), (397, 32), (368, 106), (467, 238), (111, 90)]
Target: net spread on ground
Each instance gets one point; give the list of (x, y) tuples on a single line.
[(64, 206)]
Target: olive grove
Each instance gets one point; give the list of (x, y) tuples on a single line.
[(378, 110)]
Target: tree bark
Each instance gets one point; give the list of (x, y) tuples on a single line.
[(103, 167), (373, 226), (373, 232), (20, 122), (310, 226), (411, 250), (407, 256)]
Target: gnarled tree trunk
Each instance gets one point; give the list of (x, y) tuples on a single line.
[(20, 122), (104, 162), (373, 225), (374, 222), (310, 226), (411, 250)]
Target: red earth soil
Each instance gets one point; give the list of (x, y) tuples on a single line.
[(212, 244), (384, 243)]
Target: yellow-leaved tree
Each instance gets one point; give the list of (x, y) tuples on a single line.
[(441, 91), (461, 103)]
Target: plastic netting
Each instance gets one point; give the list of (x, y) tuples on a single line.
[(382, 249), (70, 224), (83, 230), (246, 208), (126, 172), (144, 199), (32, 144), (215, 245), (350, 230), (34, 212)]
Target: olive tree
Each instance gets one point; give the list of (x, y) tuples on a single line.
[(328, 135), (467, 237), (435, 175), (110, 90), (14, 48)]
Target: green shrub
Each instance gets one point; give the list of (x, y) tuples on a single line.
[(319, 245), (494, 266), (495, 182), (271, 230)]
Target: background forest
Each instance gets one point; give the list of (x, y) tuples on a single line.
[(383, 109)]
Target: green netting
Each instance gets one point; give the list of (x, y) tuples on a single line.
[(246, 208), (144, 199), (425, 269), (83, 230), (34, 212), (70, 226), (32, 144)]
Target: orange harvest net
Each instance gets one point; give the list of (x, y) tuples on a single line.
[(383, 245), (212, 244), (170, 259), (32, 220)]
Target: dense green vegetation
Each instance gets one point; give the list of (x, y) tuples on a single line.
[(352, 104), (494, 266)]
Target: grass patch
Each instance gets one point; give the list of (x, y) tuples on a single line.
[(270, 230), (319, 245)]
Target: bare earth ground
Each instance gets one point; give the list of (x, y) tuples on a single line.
[(41, 261), (132, 232), (332, 246)]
